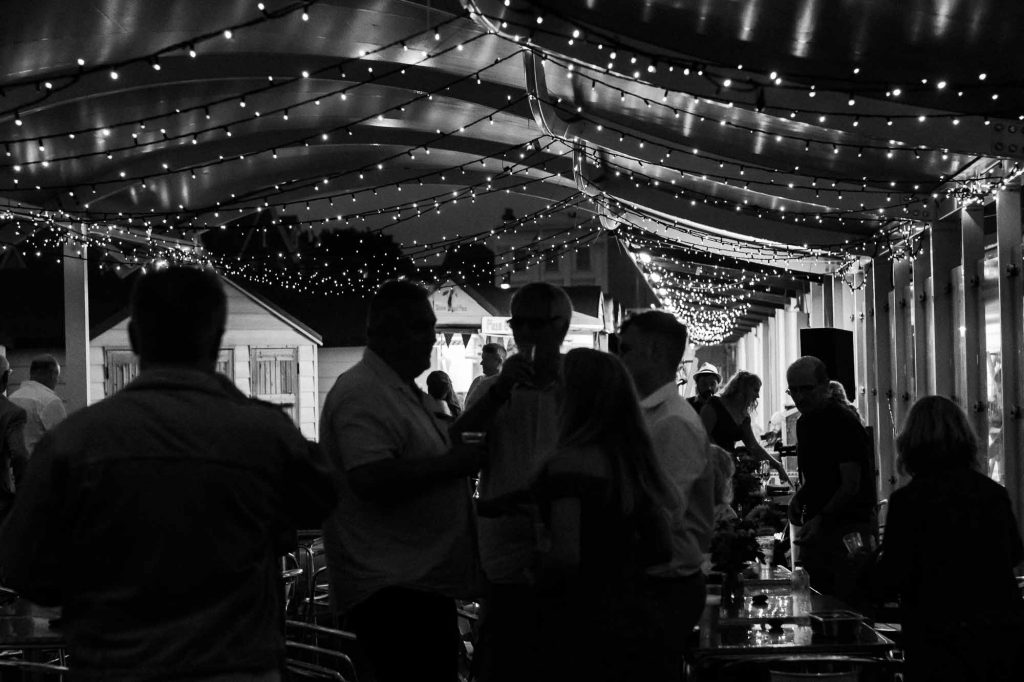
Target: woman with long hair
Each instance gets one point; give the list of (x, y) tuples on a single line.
[(949, 550), (603, 500), (439, 387), (726, 417)]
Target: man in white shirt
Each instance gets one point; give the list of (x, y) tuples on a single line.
[(492, 356), (651, 346), (400, 543), (44, 408)]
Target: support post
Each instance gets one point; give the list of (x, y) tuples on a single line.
[(924, 378), (1011, 302), (945, 257), (901, 310), (882, 272), (75, 372), (974, 365)]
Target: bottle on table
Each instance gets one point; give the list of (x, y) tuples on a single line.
[(801, 591)]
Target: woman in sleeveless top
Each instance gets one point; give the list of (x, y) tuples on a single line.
[(727, 418)]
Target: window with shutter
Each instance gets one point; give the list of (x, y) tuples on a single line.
[(275, 378), (122, 366)]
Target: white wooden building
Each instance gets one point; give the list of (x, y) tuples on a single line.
[(266, 352)]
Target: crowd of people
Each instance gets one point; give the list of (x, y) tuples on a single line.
[(156, 517)]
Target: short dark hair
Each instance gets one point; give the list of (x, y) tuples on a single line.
[(43, 364), (178, 314), (496, 349), (388, 306), (668, 330), (559, 305), (936, 436)]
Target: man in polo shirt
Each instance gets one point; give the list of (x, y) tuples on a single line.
[(651, 346), (400, 542), (519, 412), (36, 396), (837, 495)]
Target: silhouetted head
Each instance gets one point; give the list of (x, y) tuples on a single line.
[(743, 388), (541, 313), (400, 327), (936, 436), (651, 346), (46, 370), (178, 318), (707, 380), (492, 356), (439, 385), (808, 384)]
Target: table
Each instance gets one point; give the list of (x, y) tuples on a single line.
[(780, 628)]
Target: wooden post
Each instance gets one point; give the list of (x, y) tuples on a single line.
[(870, 411), (974, 372), (924, 380), (75, 372), (901, 309), (1011, 302), (882, 272), (828, 303), (945, 256)]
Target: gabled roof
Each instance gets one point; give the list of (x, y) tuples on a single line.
[(262, 302)]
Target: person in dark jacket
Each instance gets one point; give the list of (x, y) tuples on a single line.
[(950, 547), (13, 454), (156, 518)]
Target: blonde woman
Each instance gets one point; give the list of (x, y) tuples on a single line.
[(726, 417)]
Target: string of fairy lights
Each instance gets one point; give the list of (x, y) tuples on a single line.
[(688, 269), (526, 22)]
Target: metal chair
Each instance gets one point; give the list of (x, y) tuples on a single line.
[(317, 650), (33, 671)]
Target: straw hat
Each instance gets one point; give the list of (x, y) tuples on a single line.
[(707, 368)]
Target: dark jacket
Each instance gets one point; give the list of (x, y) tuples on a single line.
[(156, 518), (13, 454)]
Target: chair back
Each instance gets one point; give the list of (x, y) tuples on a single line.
[(319, 650)]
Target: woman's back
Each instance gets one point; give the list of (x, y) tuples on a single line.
[(951, 543), (726, 432)]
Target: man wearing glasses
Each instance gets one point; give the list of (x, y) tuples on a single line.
[(836, 501), (519, 413)]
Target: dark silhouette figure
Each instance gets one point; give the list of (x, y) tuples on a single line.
[(156, 518), (950, 546)]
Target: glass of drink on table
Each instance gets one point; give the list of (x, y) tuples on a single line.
[(766, 543)]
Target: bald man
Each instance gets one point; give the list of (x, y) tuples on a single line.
[(43, 407)]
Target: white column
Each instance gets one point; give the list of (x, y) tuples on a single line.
[(974, 371), (1011, 301), (75, 372)]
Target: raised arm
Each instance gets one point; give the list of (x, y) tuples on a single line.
[(754, 448)]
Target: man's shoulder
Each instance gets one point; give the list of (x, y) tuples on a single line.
[(10, 413)]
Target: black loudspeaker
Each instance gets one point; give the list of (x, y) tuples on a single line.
[(834, 347)]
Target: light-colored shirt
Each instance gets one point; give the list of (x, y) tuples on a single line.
[(682, 448), (521, 439), (422, 542), (44, 408), (479, 387)]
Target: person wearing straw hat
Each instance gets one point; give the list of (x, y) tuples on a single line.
[(707, 379)]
